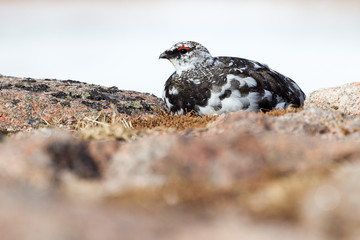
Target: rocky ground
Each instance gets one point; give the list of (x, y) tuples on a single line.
[(80, 161), (33, 103)]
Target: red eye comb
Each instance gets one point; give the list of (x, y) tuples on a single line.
[(179, 48)]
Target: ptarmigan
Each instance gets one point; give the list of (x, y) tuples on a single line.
[(213, 85)]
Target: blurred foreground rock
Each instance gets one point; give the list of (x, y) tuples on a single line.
[(332, 209), (244, 176)]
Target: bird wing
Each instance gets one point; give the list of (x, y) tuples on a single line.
[(273, 87)]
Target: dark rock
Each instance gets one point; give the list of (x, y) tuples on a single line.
[(54, 100), (75, 96), (126, 109), (95, 105), (65, 104), (97, 95), (15, 101), (34, 88), (146, 106), (71, 81), (59, 94), (5, 86), (30, 80), (110, 90)]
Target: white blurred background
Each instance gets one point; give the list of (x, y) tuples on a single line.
[(117, 43)]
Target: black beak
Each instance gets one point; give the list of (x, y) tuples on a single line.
[(164, 55)]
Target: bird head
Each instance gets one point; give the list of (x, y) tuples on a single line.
[(186, 55)]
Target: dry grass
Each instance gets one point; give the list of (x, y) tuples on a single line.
[(117, 127), (164, 120), (120, 128), (281, 112), (104, 127)]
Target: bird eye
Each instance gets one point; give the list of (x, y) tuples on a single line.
[(183, 50)]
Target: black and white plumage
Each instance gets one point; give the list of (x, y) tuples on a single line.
[(214, 85)]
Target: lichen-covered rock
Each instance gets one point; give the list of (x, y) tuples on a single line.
[(345, 98), (27, 103)]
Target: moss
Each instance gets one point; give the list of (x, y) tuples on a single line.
[(85, 95), (135, 104), (165, 120)]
